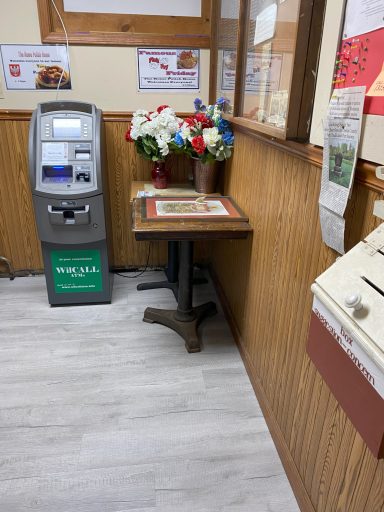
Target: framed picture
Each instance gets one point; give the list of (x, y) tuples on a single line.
[(211, 208)]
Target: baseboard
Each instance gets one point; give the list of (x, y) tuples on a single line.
[(290, 468)]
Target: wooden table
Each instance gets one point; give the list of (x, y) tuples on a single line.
[(172, 268), (186, 318)]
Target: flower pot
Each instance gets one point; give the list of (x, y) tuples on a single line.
[(205, 176), (160, 175)]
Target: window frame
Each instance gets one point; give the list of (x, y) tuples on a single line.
[(116, 29), (303, 80)]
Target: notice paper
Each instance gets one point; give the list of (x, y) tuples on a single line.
[(341, 139), (363, 16), (42, 67), (160, 69)]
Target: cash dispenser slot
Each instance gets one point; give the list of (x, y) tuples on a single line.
[(61, 215), (57, 173)]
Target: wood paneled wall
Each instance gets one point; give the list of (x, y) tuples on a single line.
[(265, 281)]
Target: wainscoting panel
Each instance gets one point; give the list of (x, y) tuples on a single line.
[(266, 283)]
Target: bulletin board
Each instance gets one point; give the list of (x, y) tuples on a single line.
[(353, 57), (360, 58)]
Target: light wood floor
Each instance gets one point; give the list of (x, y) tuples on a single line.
[(101, 412)]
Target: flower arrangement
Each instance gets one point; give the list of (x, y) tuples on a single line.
[(205, 135), (153, 132)]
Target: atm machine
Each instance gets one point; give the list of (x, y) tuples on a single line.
[(66, 174)]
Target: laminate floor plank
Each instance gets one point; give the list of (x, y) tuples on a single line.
[(101, 412)]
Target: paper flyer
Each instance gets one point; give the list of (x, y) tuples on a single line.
[(262, 74), (39, 67), (363, 16), (168, 68), (341, 139)]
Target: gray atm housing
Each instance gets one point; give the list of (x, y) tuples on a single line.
[(65, 164)]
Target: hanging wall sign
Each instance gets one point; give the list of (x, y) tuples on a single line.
[(168, 68), (35, 66)]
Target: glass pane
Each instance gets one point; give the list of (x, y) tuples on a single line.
[(271, 44), (227, 45)]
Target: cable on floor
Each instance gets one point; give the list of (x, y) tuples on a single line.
[(142, 272)]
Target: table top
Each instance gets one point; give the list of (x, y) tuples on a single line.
[(184, 229)]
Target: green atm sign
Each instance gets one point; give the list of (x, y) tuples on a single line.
[(77, 271)]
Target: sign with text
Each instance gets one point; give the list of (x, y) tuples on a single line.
[(41, 67), (262, 72), (372, 373), (168, 68), (77, 271)]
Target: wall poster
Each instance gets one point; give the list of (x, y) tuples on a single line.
[(159, 69), (35, 66)]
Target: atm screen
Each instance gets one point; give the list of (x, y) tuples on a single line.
[(69, 128)]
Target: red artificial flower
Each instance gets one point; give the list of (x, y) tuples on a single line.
[(128, 137), (198, 144), (204, 120), (189, 121), (161, 108)]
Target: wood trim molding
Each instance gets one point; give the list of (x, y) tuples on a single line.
[(365, 171), (241, 59), (263, 128), (215, 18), (366, 176), (116, 117), (291, 470), (124, 29)]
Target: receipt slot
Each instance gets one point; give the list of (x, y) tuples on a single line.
[(346, 336), (66, 174)]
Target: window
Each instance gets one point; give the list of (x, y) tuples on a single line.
[(267, 52)]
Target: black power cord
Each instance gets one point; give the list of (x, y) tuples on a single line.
[(142, 272)]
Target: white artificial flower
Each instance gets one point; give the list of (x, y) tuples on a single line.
[(135, 133), (211, 136), (163, 146), (140, 113), (185, 131)]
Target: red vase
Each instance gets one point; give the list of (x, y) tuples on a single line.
[(160, 175)]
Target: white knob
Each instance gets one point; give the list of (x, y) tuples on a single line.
[(353, 301)]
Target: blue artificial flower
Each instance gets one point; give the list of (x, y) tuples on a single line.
[(228, 138), (223, 125), (221, 101), (179, 141), (198, 105)]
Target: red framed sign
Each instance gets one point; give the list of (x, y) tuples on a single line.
[(212, 208)]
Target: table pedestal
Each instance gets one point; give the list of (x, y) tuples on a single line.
[(185, 319), (171, 272)]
